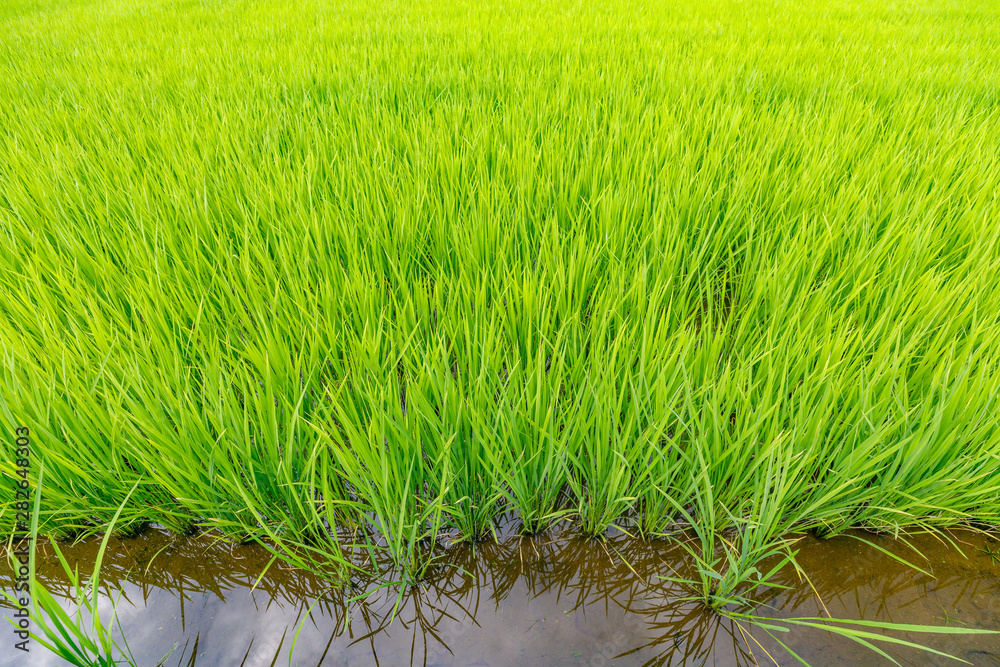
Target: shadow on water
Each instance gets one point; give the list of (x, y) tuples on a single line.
[(544, 600)]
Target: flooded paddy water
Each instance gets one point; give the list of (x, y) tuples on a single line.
[(544, 600)]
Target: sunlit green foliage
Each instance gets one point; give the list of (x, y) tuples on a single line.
[(394, 269)]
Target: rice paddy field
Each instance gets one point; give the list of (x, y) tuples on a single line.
[(359, 281)]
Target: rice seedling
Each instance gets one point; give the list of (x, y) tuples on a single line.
[(858, 634)]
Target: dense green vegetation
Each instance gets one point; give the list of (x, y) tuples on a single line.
[(394, 270)]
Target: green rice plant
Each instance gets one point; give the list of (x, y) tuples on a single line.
[(377, 450), (453, 432), (531, 440), (857, 633)]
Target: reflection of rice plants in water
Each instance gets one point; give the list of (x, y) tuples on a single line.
[(719, 274), (465, 590)]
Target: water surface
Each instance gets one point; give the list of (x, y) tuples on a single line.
[(545, 600)]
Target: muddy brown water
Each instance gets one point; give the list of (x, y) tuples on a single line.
[(540, 601)]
